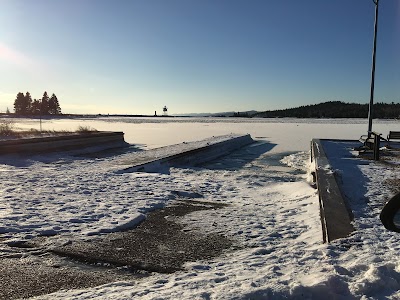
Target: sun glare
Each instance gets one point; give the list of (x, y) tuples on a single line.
[(16, 57)]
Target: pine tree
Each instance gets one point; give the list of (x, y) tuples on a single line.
[(22, 104), (36, 107), (54, 106), (28, 103), (45, 104), (19, 103)]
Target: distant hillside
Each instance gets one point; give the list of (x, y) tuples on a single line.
[(335, 109), (220, 114)]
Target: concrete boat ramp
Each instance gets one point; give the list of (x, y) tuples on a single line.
[(185, 154)]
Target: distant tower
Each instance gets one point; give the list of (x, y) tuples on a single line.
[(165, 110)]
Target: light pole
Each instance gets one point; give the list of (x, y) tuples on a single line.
[(41, 111), (371, 99)]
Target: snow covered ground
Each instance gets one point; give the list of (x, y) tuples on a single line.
[(273, 212)]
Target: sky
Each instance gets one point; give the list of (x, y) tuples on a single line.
[(134, 57)]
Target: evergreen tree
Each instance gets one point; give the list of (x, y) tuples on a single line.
[(36, 107), (19, 103), (45, 104), (54, 106), (22, 103), (28, 103)]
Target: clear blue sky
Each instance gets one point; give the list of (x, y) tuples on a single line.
[(134, 57)]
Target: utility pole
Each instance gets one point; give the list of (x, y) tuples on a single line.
[(371, 99)]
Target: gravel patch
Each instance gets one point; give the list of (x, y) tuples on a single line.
[(22, 278), (158, 244)]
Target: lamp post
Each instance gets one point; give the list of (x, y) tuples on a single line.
[(371, 99), (41, 114)]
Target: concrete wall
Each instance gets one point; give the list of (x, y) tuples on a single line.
[(106, 140), (335, 216)]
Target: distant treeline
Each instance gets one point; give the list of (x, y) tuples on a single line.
[(335, 109), (25, 106)]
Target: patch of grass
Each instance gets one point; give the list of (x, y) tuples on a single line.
[(6, 128), (85, 129), (33, 132), (50, 132), (8, 131)]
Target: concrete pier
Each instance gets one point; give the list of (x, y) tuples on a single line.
[(335, 216), (106, 140), (192, 157)]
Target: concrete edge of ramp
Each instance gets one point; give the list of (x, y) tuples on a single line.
[(104, 139), (193, 157), (335, 217)]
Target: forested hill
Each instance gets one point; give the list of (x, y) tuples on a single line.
[(335, 109)]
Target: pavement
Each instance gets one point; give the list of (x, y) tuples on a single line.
[(158, 244), (22, 278)]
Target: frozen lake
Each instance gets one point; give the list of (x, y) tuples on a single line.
[(287, 134)]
